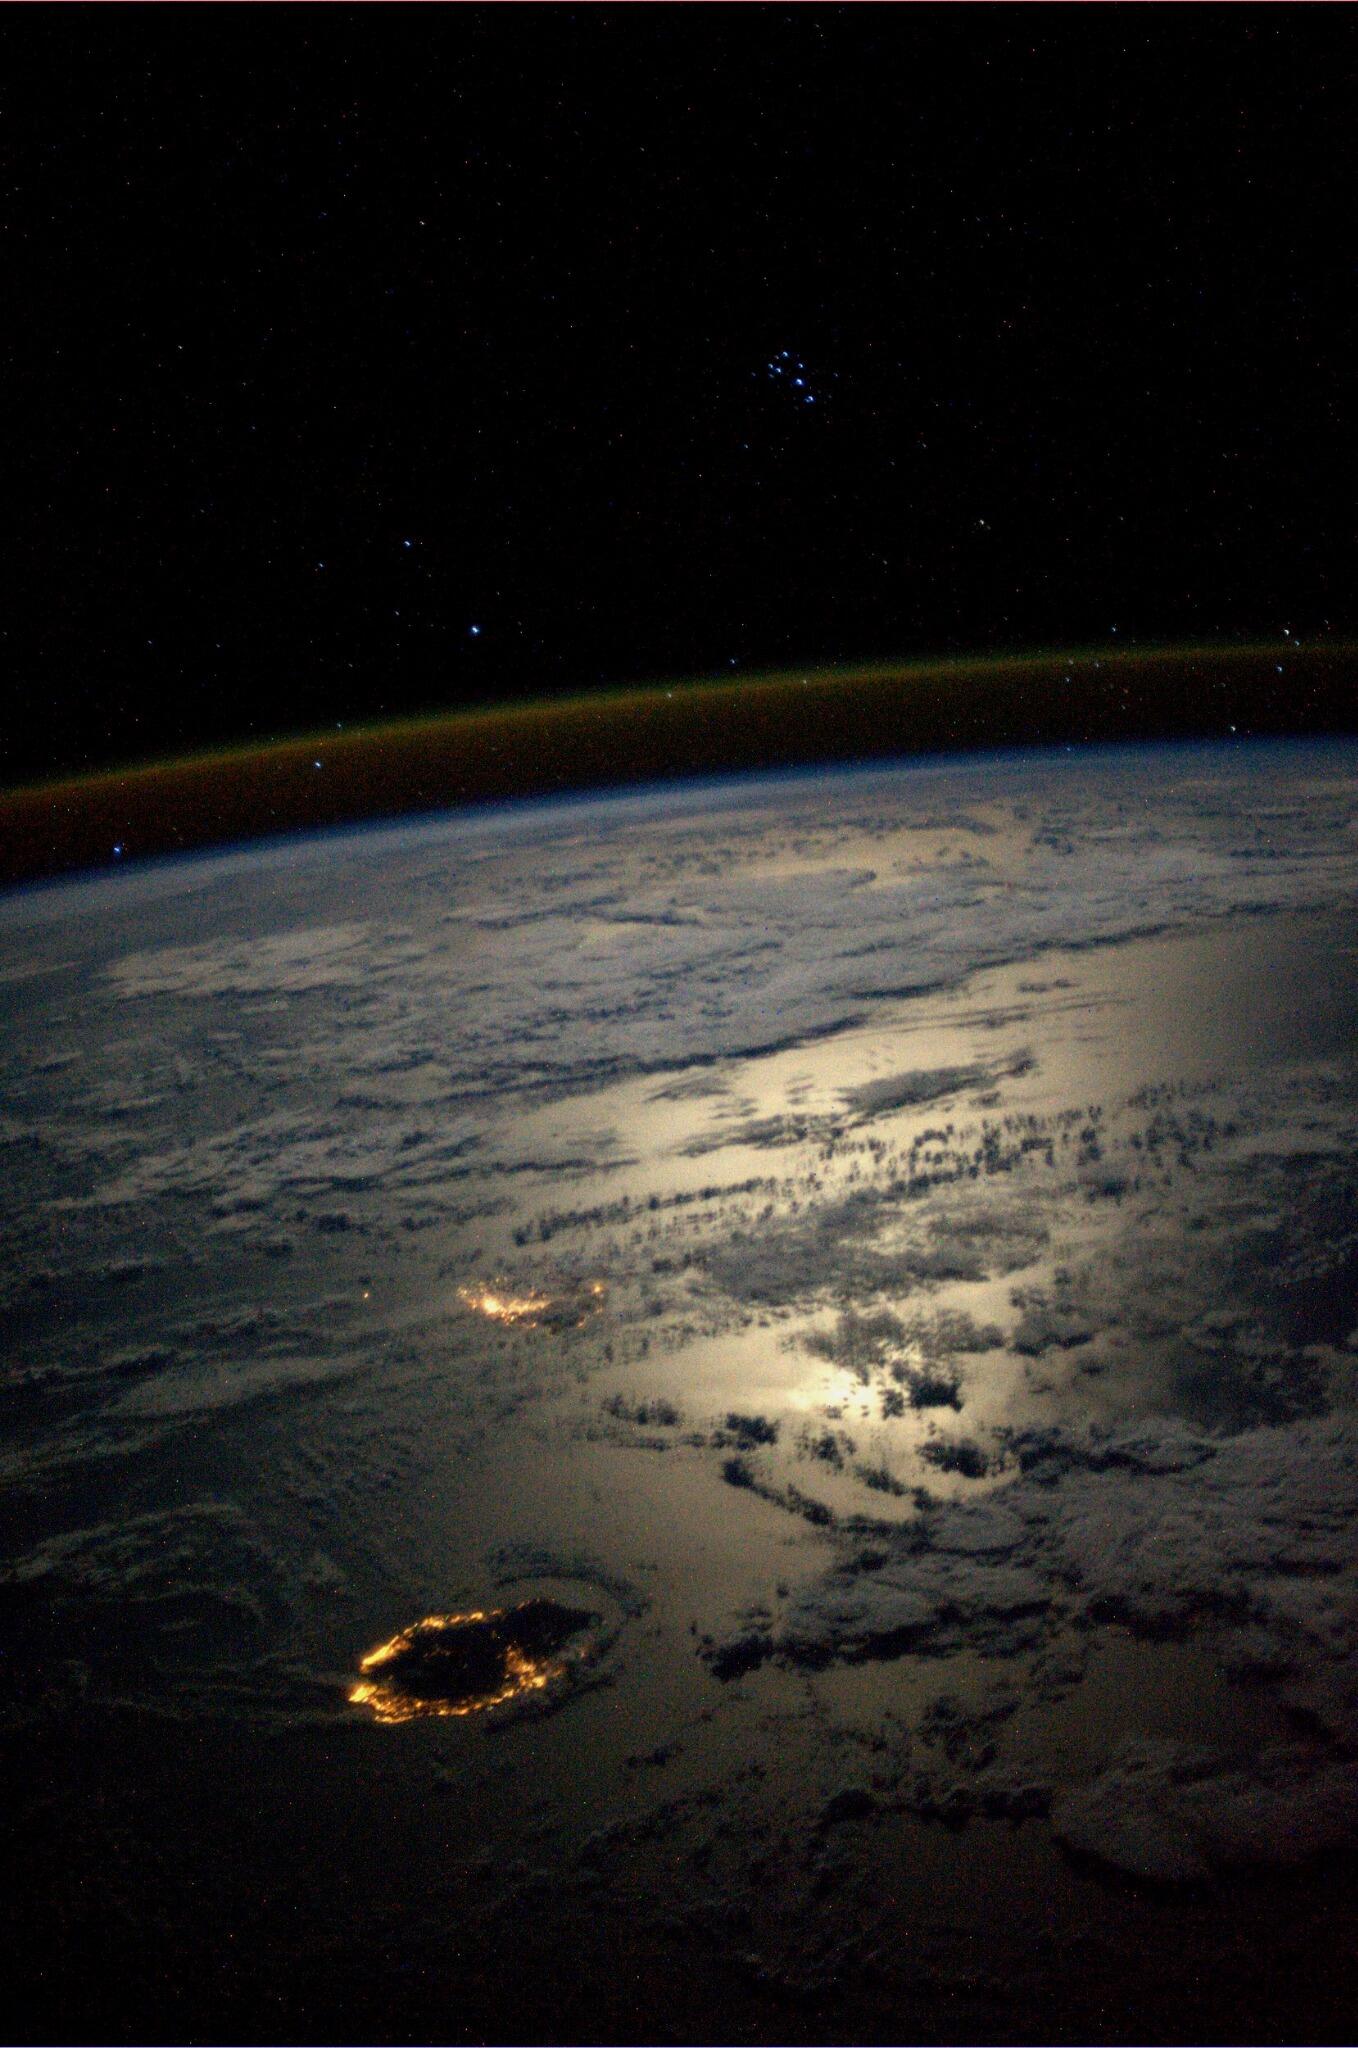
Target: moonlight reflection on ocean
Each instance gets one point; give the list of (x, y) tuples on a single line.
[(679, 1028), (836, 1298)]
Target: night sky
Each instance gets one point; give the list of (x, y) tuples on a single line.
[(380, 360)]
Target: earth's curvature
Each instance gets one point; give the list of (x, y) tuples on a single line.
[(809, 1324)]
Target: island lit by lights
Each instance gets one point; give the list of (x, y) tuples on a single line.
[(502, 1307), (532, 1307), (460, 1664)]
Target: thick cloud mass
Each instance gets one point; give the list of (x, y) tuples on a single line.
[(890, 1240)]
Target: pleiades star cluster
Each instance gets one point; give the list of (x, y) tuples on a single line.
[(367, 361)]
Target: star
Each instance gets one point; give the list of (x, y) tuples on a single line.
[(785, 362)]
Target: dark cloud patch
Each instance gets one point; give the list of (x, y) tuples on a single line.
[(1165, 1814), (911, 1090)]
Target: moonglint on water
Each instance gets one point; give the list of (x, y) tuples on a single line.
[(731, 1400)]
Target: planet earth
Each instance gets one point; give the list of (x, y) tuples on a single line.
[(725, 1412)]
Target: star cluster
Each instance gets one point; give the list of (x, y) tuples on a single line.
[(379, 360)]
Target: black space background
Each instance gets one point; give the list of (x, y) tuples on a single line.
[(1073, 288)]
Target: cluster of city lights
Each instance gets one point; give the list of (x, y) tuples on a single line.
[(504, 1308), (391, 1704), (532, 1307)]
